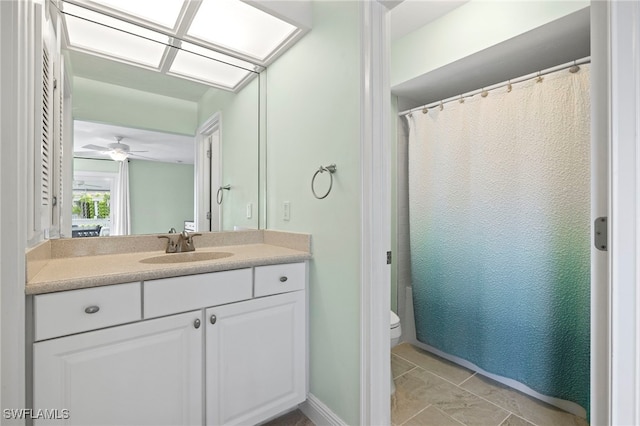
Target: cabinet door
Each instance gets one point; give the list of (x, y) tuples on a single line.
[(146, 373), (255, 359)]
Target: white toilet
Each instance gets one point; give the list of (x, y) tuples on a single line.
[(395, 333)]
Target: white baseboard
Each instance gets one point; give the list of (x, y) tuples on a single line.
[(319, 413)]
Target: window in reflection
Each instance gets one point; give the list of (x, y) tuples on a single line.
[(91, 207)]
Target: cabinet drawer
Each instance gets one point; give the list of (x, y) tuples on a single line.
[(74, 311), (274, 279), (180, 294)]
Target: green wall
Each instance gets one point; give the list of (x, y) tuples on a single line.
[(239, 146), (471, 28), (87, 165), (313, 119), (161, 194), (122, 106)]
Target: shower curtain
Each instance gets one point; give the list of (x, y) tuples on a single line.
[(499, 196)]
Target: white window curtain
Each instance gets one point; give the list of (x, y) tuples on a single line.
[(120, 206)]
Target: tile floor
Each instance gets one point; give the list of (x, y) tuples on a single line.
[(431, 391), (292, 418)]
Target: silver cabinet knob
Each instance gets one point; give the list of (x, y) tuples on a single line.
[(92, 309), (213, 319), (283, 279), (196, 323)]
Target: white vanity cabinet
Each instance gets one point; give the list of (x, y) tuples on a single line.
[(238, 356), (255, 359), (145, 373)]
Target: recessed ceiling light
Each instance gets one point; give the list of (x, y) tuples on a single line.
[(240, 27)]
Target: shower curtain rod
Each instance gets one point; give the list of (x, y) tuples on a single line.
[(498, 85)]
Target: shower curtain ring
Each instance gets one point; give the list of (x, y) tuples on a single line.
[(575, 68), (509, 87), (539, 79), (425, 110), (441, 106)]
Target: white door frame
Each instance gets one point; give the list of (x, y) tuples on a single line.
[(205, 184), (16, 132), (375, 287), (615, 382), (624, 216), (600, 141)]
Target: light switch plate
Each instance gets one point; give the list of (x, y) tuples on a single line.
[(286, 210)]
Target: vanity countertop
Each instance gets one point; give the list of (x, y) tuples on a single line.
[(54, 268)]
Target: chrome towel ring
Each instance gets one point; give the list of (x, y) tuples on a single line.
[(220, 194), (331, 169)]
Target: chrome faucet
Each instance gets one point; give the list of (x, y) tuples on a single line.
[(186, 241), (183, 243)]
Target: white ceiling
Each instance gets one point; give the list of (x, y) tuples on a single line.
[(163, 147), (410, 15)]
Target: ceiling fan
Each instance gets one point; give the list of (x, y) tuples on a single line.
[(117, 151)]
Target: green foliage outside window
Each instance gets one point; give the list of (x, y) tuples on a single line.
[(88, 204)]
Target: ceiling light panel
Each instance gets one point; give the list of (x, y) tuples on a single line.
[(207, 70), (132, 44), (238, 26), (164, 12), (217, 56)]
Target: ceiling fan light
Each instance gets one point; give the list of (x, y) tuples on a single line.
[(117, 155)]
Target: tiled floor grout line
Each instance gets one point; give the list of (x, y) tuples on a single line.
[(493, 403), (475, 373), (509, 413), (419, 411), (459, 386), (406, 372), (434, 373), (525, 419), (455, 420)]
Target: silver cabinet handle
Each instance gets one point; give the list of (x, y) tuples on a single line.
[(196, 323), (283, 279), (92, 309), (213, 319)]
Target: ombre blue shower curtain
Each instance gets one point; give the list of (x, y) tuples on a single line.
[(499, 195)]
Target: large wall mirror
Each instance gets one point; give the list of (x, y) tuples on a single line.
[(165, 99)]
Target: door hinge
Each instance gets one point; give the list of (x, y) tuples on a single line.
[(208, 153), (600, 236), (388, 258), (208, 215)]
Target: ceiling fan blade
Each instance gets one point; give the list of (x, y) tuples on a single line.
[(96, 147), (89, 154), (133, 154)]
